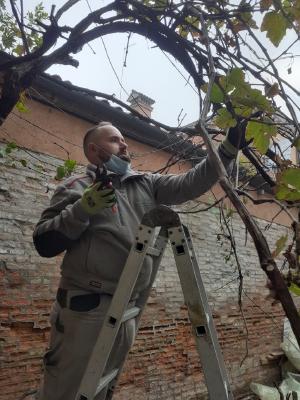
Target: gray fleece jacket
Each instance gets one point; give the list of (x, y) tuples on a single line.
[(97, 246)]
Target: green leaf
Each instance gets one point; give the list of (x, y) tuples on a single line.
[(70, 165), (226, 86), (10, 34), (60, 172), (244, 95), (21, 107), (258, 100), (23, 162), (10, 147), (279, 245), (243, 111), (285, 193), (19, 50), (216, 94), (193, 21), (246, 17), (236, 77), (260, 133), (224, 119), (182, 31), (291, 176), (275, 24), (288, 187)]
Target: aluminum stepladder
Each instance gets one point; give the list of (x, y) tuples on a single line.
[(146, 243)]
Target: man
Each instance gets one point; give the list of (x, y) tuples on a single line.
[(96, 226)]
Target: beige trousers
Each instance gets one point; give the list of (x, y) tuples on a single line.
[(73, 335)]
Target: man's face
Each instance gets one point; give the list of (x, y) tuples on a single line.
[(110, 141)]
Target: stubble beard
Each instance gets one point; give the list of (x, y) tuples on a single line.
[(125, 157)]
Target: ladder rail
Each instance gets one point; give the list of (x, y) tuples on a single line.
[(108, 333), (211, 325), (200, 315), (160, 245), (207, 345)]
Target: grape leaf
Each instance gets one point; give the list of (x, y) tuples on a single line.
[(216, 94), (288, 186), (236, 77), (60, 172), (260, 133), (70, 165), (291, 176), (275, 24), (224, 119)]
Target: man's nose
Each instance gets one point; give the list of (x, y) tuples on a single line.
[(124, 145)]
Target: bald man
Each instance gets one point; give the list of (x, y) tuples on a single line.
[(96, 225)]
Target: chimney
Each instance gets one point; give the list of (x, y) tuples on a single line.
[(141, 103)]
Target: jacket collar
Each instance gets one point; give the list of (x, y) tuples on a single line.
[(91, 171)]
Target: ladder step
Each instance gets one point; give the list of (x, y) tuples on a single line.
[(106, 380), (131, 313), (151, 251)]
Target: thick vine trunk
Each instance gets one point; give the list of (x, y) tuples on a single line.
[(9, 96), (267, 263), (266, 260)]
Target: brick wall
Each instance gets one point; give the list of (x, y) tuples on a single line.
[(163, 363)]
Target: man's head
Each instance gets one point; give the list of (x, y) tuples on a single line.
[(103, 140)]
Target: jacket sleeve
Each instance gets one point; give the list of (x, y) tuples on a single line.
[(176, 189), (61, 224)]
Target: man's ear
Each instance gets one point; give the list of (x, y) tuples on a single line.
[(92, 153), (92, 148)]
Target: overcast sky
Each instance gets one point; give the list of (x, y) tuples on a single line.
[(147, 69)]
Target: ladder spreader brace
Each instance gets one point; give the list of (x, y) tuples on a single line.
[(147, 243)]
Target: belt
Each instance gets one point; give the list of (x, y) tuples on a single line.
[(75, 300)]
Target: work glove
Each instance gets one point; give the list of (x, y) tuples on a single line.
[(95, 198), (235, 139)]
